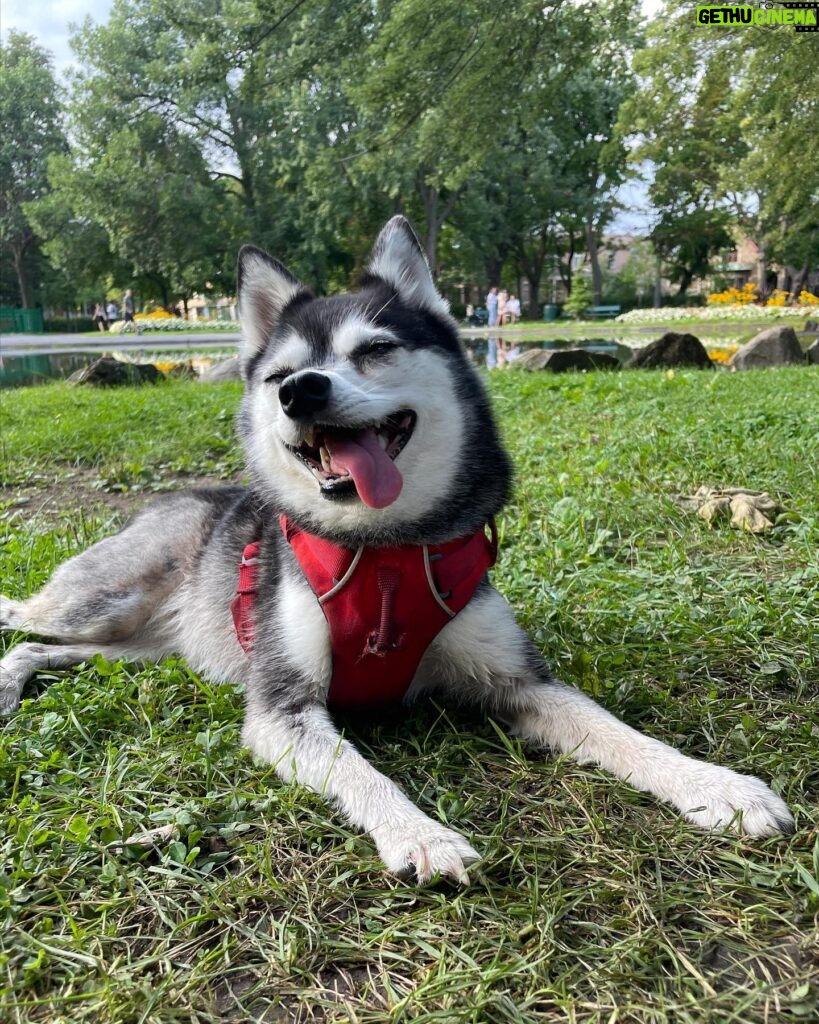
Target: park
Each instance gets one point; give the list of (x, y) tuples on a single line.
[(153, 870)]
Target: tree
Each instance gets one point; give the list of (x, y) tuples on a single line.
[(685, 122), (147, 200), (30, 131), (777, 104)]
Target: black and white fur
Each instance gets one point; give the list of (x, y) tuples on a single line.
[(165, 583)]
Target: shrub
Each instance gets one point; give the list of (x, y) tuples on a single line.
[(68, 325), (579, 300)]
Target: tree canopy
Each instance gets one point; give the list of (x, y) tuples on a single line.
[(506, 134)]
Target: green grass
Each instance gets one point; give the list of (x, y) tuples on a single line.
[(593, 903)]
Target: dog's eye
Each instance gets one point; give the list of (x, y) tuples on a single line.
[(375, 349), (277, 376)]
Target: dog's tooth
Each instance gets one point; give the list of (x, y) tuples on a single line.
[(325, 458)]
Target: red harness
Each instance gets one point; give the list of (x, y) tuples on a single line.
[(384, 606)]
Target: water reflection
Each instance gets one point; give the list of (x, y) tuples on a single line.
[(497, 352), (16, 371)]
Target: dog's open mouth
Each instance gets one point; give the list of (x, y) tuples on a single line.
[(358, 459)]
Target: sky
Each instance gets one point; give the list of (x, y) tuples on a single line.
[(49, 20)]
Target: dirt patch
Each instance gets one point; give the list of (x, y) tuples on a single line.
[(79, 490)]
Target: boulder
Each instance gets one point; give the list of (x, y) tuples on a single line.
[(225, 369), (562, 359), (813, 352), (811, 327), (109, 372), (777, 346), (672, 350)]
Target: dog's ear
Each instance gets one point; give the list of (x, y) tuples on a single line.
[(265, 287), (398, 259)]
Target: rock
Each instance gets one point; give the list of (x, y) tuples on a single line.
[(225, 369), (562, 359), (813, 352), (778, 346), (811, 327), (672, 350), (109, 372)]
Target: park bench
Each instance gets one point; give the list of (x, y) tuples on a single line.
[(602, 312)]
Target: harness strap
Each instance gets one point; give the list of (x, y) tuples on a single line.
[(242, 606)]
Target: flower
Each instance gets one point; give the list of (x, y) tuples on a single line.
[(168, 324), (734, 296), (704, 314)]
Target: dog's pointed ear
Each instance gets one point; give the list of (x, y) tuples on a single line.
[(265, 287), (398, 259)]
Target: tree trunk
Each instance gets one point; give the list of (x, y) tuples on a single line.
[(534, 297), (762, 271), (799, 281), (565, 269), (493, 265), (594, 260), (658, 285), (435, 216), (18, 252), (685, 281), (429, 197)]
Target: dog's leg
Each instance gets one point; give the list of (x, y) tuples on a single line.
[(287, 724), (109, 599), (485, 657), (305, 746), (108, 592), (26, 659)]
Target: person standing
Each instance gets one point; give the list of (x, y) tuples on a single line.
[(112, 311), (502, 307), (128, 310), (99, 317), (492, 307)]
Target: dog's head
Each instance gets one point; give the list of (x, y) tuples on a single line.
[(362, 418)]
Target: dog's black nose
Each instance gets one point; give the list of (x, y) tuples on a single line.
[(304, 394)]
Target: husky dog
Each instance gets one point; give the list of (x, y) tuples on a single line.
[(368, 437)]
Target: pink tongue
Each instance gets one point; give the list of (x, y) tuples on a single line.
[(377, 480)]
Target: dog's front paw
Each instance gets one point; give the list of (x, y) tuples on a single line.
[(14, 674), (424, 849), (725, 798), (10, 615)]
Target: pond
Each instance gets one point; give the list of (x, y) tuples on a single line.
[(478, 347), (16, 371), (20, 370)]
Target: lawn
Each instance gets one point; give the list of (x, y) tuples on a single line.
[(593, 903)]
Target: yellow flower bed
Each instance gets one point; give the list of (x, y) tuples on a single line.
[(748, 293), (734, 296), (777, 298), (158, 314), (722, 355)]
